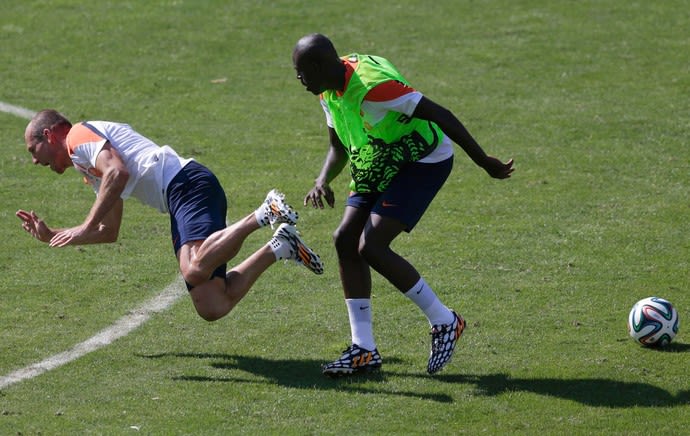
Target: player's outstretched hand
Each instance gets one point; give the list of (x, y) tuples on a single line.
[(317, 194), (35, 226), (498, 169)]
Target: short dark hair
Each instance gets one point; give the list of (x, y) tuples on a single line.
[(317, 47), (46, 119)]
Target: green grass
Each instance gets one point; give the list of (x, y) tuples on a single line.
[(591, 98)]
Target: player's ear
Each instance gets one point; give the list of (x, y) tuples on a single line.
[(50, 135)]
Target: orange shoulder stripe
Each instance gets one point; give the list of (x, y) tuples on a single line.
[(389, 90), (80, 134)]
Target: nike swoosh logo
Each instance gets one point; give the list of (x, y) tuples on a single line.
[(387, 204), (363, 307)]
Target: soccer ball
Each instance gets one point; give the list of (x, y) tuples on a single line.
[(653, 321)]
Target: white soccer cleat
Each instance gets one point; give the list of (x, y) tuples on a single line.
[(274, 210), (290, 246)]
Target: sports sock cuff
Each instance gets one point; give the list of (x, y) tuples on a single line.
[(420, 284), (421, 294), (280, 249), (359, 309), (260, 215), (438, 313), (361, 326)]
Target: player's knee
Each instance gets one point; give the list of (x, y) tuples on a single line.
[(210, 300), (369, 250), (194, 276), (337, 235), (345, 242), (209, 314), (365, 248)]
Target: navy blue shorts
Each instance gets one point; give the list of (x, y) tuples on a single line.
[(409, 194), (197, 206)]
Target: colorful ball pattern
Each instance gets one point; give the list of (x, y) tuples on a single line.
[(653, 321)]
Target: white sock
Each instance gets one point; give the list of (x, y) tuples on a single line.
[(280, 249), (425, 298), (260, 215), (359, 311)]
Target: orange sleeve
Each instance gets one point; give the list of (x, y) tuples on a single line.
[(80, 134), (388, 91)]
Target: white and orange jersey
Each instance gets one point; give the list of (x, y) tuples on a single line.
[(391, 96), (150, 166)]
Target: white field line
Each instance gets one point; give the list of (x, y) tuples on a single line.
[(16, 110), (121, 328)]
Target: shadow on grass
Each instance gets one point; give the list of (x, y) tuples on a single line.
[(674, 347), (301, 374), (591, 392)]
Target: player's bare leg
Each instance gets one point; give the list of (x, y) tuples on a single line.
[(198, 260), (355, 275), (377, 237), (217, 297), (214, 298)]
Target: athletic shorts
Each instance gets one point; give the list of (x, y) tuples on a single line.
[(197, 206), (409, 194)]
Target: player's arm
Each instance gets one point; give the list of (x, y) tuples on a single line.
[(114, 178), (336, 159), (102, 224), (106, 232), (454, 129)]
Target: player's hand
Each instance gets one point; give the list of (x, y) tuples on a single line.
[(35, 226), (498, 169), (317, 194)]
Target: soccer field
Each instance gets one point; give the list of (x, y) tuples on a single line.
[(591, 99)]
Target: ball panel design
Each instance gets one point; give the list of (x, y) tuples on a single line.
[(653, 321)]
